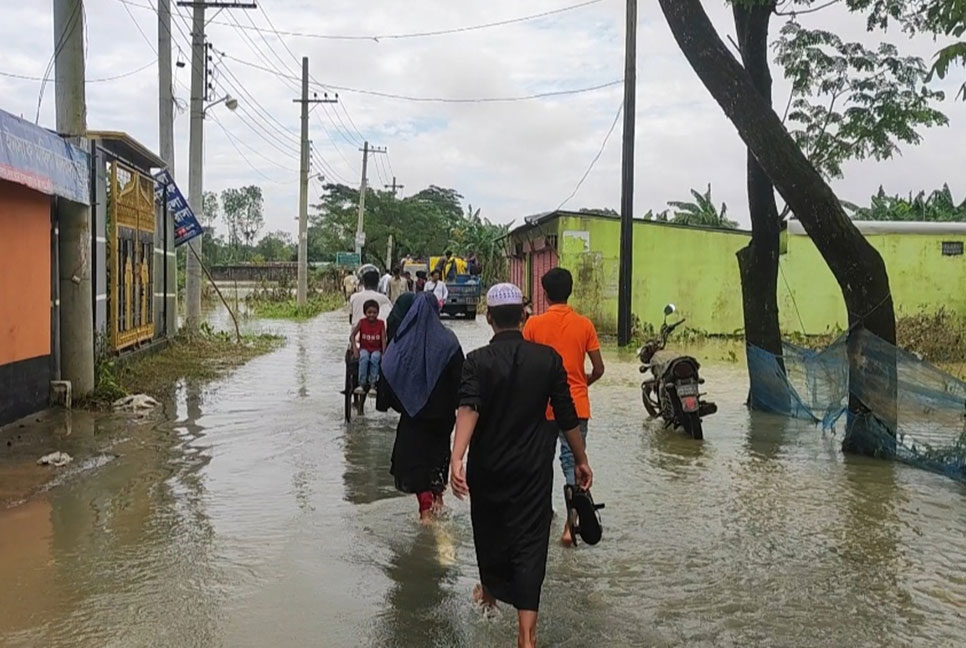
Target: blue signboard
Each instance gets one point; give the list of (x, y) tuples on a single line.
[(186, 226), (44, 161)]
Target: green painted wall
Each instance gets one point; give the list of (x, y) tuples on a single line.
[(693, 268), (921, 278), (696, 269)]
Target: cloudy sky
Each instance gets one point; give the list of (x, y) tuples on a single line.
[(509, 158)]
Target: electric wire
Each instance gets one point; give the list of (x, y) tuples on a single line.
[(25, 77), (403, 36), (593, 162)]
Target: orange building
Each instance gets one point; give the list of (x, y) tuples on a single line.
[(37, 168)]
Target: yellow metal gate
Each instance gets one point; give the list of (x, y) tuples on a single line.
[(131, 212)]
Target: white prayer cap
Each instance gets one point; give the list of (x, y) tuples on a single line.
[(504, 294)]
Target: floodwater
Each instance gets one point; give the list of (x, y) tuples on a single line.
[(250, 515)]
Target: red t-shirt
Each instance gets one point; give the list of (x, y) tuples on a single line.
[(371, 334)]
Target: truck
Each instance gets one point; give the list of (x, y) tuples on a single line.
[(464, 290)]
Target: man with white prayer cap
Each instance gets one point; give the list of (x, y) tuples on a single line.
[(509, 476)]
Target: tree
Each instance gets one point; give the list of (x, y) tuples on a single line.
[(477, 235), (243, 213), (209, 209), (948, 17), (277, 246), (939, 206), (702, 212), (856, 265), (849, 102)]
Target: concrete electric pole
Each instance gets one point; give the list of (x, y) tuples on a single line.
[(73, 219), (394, 187), (627, 180), (166, 140), (199, 86), (303, 270), (363, 188)]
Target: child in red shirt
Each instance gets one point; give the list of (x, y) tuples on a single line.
[(371, 334)]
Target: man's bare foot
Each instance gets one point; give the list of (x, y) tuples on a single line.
[(425, 517), (565, 538), (481, 597)]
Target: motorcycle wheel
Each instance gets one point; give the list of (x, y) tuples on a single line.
[(648, 405), (691, 423)]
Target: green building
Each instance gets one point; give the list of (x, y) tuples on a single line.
[(696, 269)]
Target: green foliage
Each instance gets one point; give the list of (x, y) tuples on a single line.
[(422, 225), (107, 385), (243, 213), (477, 235), (939, 206), (277, 246), (289, 309), (849, 102), (209, 209), (702, 212)]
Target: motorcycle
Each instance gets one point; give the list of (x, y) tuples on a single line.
[(673, 390)]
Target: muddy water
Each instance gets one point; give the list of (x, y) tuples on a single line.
[(254, 517)]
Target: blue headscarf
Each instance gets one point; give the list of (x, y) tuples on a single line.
[(418, 354)]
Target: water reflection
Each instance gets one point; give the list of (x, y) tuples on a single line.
[(367, 447), (423, 573)]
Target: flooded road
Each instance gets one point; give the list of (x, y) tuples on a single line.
[(255, 517)]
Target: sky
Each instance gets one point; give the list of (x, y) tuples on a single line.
[(511, 159)]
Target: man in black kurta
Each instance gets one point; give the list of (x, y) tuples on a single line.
[(503, 400)]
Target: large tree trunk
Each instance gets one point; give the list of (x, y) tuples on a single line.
[(758, 262), (857, 266)]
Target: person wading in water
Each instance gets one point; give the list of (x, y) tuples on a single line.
[(422, 368), (503, 400), (574, 337)]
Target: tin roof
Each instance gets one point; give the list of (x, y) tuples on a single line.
[(126, 147), (891, 227)]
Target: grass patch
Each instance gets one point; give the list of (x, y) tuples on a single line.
[(275, 306), (201, 357)]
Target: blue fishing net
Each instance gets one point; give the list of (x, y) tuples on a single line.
[(908, 409)]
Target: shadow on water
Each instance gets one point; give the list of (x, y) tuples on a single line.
[(420, 605), (367, 446)]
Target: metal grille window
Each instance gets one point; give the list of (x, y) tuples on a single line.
[(952, 248)]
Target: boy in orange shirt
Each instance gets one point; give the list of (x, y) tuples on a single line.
[(574, 337)]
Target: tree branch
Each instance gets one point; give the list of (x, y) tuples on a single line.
[(802, 12)]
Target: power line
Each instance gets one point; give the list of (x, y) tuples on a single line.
[(389, 95), (231, 140), (596, 157), (25, 77), (312, 78), (71, 23), (402, 36)]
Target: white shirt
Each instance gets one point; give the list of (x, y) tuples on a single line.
[(439, 289), (358, 300), (384, 283)]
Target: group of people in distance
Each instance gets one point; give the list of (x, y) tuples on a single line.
[(505, 405)]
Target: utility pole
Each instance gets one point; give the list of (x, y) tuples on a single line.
[(73, 219), (196, 148), (389, 254), (363, 188), (394, 187), (627, 180), (166, 140), (303, 272)]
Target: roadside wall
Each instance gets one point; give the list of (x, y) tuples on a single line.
[(696, 269), (921, 278), (25, 307), (693, 268)]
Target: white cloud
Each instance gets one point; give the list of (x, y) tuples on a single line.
[(511, 159)]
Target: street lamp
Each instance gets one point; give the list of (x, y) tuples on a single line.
[(230, 102)]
